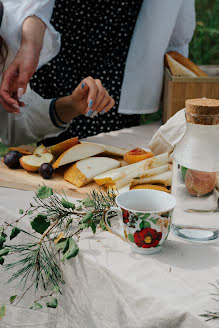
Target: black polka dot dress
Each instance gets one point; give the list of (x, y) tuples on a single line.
[(96, 35)]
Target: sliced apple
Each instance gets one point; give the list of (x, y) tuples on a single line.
[(85, 170), (132, 171), (77, 153), (32, 163), (59, 148), (20, 150), (40, 150), (111, 150)]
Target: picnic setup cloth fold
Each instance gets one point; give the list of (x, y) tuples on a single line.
[(108, 286)]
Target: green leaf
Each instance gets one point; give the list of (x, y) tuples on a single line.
[(30, 212), (93, 227), (56, 289), (36, 306), (3, 150), (144, 216), (67, 204), (154, 221), (53, 303), (72, 250), (87, 217), (44, 192), (40, 223), (102, 225), (144, 224), (14, 232), (2, 311), (21, 211), (13, 298), (84, 225), (1, 260), (4, 252), (88, 202), (2, 239), (63, 244), (183, 171), (131, 238)]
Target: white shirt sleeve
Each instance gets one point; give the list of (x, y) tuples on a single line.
[(32, 125), (16, 11)]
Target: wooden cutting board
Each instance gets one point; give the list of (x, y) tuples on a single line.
[(23, 180)]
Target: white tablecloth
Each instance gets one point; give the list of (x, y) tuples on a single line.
[(107, 286)]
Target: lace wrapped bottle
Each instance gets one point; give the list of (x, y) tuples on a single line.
[(195, 173)]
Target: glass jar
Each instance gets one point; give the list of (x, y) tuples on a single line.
[(195, 182)]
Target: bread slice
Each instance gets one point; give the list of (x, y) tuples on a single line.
[(178, 69), (85, 170), (132, 170), (77, 153), (186, 62), (111, 150)]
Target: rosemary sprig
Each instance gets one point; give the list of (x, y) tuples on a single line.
[(55, 225)]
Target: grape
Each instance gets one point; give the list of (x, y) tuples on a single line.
[(46, 170), (11, 159)]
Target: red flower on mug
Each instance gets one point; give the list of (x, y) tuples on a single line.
[(147, 238), (125, 215)]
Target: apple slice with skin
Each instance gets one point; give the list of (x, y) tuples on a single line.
[(32, 163), (40, 150), (77, 153)]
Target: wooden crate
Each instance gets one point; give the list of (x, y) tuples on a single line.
[(177, 89)]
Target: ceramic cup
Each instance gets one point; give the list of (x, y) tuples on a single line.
[(145, 218)]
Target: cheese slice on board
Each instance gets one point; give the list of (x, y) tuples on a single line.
[(85, 170), (111, 150), (77, 153), (133, 170), (164, 178)]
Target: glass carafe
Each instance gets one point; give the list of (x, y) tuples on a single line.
[(195, 173)]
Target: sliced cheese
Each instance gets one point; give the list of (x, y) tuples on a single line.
[(142, 173), (178, 69), (85, 170), (111, 150), (77, 153), (164, 178), (133, 169)]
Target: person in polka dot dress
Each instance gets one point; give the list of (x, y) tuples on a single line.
[(96, 36)]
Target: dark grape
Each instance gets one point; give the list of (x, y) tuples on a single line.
[(11, 159), (46, 171)]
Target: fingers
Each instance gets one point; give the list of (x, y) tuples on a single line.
[(23, 80), (92, 93), (7, 100), (109, 105)]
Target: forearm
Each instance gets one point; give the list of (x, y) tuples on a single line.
[(65, 109), (33, 30)]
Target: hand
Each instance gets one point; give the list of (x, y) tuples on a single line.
[(89, 98), (18, 74), (16, 78)]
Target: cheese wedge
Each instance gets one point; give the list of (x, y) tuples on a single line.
[(111, 150), (164, 178), (85, 170), (151, 186), (59, 148), (133, 170), (77, 153)]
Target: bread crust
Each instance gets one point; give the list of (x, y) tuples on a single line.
[(185, 62)]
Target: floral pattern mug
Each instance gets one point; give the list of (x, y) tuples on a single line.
[(145, 216)]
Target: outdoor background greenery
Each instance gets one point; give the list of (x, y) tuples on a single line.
[(203, 49)]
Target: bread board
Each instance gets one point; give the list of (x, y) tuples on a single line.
[(23, 180)]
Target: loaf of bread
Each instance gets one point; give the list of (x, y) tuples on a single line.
[(182, 66)]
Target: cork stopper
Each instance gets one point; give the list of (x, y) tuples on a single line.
[(202, 111)]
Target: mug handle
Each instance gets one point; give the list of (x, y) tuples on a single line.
[(105, 217)]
